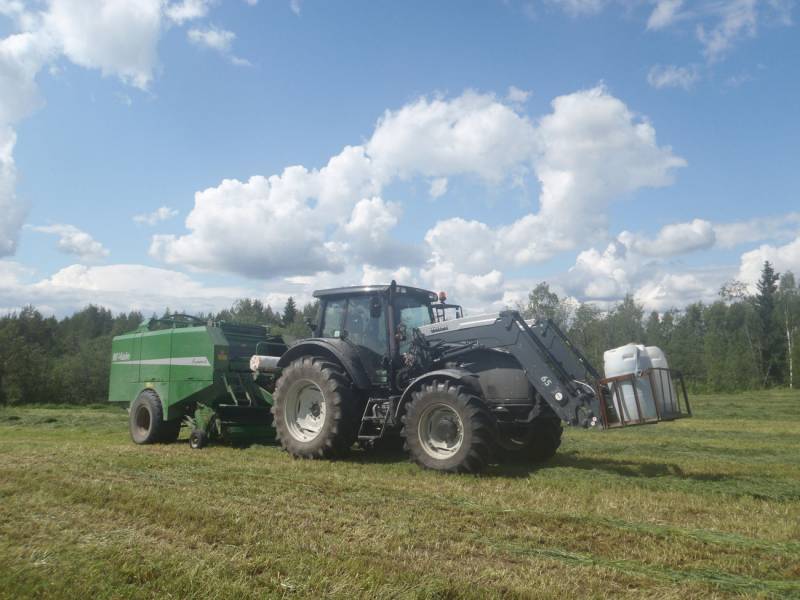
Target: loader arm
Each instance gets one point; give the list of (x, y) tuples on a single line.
[(555, 369)]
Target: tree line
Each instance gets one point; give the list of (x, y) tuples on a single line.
[(47, 360), (740, 342)]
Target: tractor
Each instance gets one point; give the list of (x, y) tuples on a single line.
[(397, 363)]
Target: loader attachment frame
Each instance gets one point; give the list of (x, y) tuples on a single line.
[(612, 406)]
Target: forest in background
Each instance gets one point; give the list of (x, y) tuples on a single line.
[(740, 342)]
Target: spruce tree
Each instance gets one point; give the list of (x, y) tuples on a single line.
[(771, 345), (289, 312)]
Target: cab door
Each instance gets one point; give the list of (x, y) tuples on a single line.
[(365, 324)]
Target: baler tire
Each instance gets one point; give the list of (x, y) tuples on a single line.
[(477, 438), (339, 429), (146, 421), (198, 439)]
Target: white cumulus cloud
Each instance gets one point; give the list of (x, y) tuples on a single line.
[(212, 37), (606, 276), (187, 10), (672, 290), (517, 96), (117, 37), (119, 287), (673, 239), (259, 228), (589, 151), (367, 236), (219, 40), (74, 241), (592, 150), (783, 227), (737, 19), (646, 267), (162, 213), (783, 258), (21, 57), (664, 13), (304, 221), (438, 187), (469, 134)]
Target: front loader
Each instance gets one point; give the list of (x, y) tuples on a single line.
[(386, 363)]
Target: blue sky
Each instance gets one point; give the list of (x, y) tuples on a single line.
[(608, 147)]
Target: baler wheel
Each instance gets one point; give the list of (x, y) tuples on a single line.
[(448, 428), (146, 420), (315, 412), (198, 439)]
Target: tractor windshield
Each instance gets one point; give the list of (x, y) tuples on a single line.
[(413, 312)]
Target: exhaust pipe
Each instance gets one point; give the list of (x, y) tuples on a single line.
[(264, 364)]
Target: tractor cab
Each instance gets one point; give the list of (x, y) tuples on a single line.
[(378, 321)]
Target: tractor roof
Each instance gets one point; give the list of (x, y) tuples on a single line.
[(379, 289)]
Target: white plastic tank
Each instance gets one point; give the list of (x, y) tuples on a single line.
[(663, 387), (627, 360)]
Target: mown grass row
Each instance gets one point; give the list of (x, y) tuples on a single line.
[(705, 507)]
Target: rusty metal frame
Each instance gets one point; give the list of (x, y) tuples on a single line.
[(606, 393)]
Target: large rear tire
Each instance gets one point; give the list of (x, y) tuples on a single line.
[(315, 411), (448, 428), (146, 421)]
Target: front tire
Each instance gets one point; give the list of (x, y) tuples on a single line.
[(538, 443), (447, 428), (545, 439), (146, 421), (315, 413)]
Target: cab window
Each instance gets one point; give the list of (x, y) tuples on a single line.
[(412, 312), (365, 323), (333, 318)]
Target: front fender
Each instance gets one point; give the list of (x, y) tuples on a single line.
[(468, 378), (338, 350)]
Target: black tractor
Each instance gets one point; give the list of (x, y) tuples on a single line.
[(397, 363)]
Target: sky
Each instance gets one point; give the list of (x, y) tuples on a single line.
[(185, 153)]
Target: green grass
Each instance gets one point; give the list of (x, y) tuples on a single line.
[(707, 507)]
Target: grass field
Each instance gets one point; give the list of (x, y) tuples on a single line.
[(703, 508)]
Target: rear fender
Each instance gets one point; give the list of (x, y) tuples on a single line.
[(334, 349), (461, 376)]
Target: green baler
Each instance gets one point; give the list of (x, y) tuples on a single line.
[(186, 371)]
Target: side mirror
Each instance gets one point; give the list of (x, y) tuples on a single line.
[(375, 307), (310, 323), (401, 333)]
